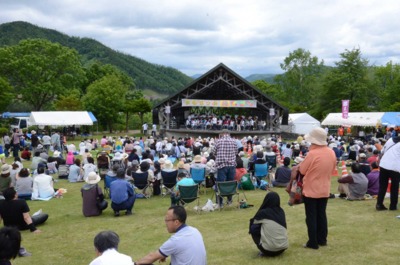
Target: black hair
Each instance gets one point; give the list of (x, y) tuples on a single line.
[(9, 193), (179, 213), (77, 162), (260, 154), (286, 161), (374, 165), (90, 160), (355, 167), (106, 240), (10, 243)]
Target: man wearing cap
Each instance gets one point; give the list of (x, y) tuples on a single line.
[(186, 246), (317, 169), (34, 140), (121, 194), (225, 151)]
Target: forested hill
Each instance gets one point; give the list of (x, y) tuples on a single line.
[(165, 80)]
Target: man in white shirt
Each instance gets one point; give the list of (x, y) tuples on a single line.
[(145, 127), (106, 247)]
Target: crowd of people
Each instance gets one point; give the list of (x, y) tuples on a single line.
[(232, 123), (226, 158)]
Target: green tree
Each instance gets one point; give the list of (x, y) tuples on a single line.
[(130, 105), (268, 89), (6, 94), (348, 80), (106, 99), (70, 102), (387, 83), (141, 106), (40, 70), (299, 82)]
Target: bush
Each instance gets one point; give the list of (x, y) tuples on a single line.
[(3, 131)]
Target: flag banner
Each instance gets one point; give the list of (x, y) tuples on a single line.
[(219, 103), (345, 108)]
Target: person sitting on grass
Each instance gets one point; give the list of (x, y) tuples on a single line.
[(26, 154), (283, 173), (75, 171), (106, 247), (5, 179), (268, 227), (183, 180), (186, 246), (373, 180), (42, 185), (36, 160), (122, 194), (89, 167), (10, 244), (355, 184), (23, 184)]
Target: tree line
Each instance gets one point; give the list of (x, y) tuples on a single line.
[(307, 85)]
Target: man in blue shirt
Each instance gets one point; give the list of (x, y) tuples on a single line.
[(121, 194), (186, 246)]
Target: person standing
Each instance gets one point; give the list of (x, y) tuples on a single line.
[(317, 169), (106, 247), (34, 141), (7, 144), (154, 130), (177, 246), (389, 169), (145, 128), (225, 162), (16, 141), (55, 141)]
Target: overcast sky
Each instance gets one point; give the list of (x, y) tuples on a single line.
[(250, 37)]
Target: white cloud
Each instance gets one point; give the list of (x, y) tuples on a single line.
[(251, 36)]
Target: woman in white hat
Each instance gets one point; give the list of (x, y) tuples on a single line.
[(317, 169), (5, 179), (91, 193), (168, 166)]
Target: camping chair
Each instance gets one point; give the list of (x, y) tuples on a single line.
[(199, 176), (107, 183), (225, 189), (271, 160), (188, 194), (141, 184), (169, 181)]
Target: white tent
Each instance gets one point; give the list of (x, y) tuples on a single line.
[(354, 119), (60, 118), (302, 123)]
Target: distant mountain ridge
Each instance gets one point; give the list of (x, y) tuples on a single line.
[(162, 79), (269, 78)]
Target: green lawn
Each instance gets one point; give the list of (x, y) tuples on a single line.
[(357, 233)]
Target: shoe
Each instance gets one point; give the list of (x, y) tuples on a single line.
[(116, 213), (331, 196), (342, 195), (323, 244), (128, 213), (307, 246), (229, 202), (393, 208), (23, 253), (380, 207)]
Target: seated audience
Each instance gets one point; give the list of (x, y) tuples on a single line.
[(240, 170), (182, 180), (75, 171), (10, 244), (268, 227), (121, 194), (70, 159), (5, 179), (282, 174), (106, 247), (91, 193), (42, 185), (373, 180), (26, 154), (36, 160), (24, 184), (356, 183), (89, 167)]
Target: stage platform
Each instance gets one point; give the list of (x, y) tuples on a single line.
[(183, 132)]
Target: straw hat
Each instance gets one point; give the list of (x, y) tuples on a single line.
[(298, 160), (206, 154), (161, 161), (5, 169), (197, 159), (168, 164), (92, 178), (56, 153), (33, 132), (317, 136), (181, 164), (117, 156)]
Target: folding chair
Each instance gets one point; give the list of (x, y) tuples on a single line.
[(199, 176), (169, 181), (141, 184), (271, 160), (107, 183), (225, 189), (261, 172), (188, 194)]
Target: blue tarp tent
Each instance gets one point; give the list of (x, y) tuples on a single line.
[(8, 115), (391, 118), (92, 116)]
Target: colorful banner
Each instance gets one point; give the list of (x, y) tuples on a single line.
[(345, 108), (219, 103)]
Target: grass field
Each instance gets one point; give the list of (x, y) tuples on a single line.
[(357, 233)]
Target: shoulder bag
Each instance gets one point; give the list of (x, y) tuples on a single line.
[(295, 190)]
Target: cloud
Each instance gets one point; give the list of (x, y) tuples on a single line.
[(248, 36)]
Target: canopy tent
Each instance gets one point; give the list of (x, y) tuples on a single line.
[(60, 118), (302, 123), (364, 119), (391, 119), (15, 114)]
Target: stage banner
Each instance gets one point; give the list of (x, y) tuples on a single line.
[(345, 108), (219, 103)]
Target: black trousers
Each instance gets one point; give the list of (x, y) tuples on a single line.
[(384, 176), (316, 220)]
